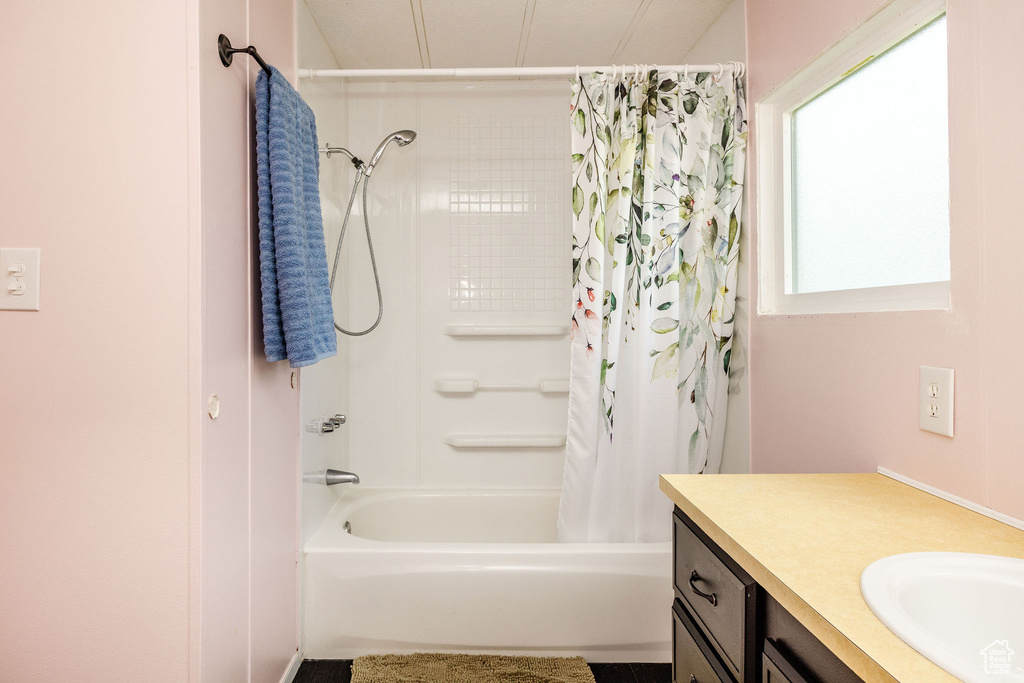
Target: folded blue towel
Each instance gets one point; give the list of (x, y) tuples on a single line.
[(298, 319)]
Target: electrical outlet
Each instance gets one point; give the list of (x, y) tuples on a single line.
[(936, 398)]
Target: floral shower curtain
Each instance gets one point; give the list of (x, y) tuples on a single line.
[(657, 188)]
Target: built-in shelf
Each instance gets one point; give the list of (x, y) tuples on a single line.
[(470, 386), (505, 440), (469, 330)]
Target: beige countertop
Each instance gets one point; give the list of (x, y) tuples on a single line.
[(806, 538)]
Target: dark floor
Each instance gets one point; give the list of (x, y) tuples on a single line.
[(340, 671), (324, 671), (632, 673)]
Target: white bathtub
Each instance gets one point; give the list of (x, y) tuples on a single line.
[(478, 571)]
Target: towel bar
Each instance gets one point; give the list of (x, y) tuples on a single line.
[(227, 52)]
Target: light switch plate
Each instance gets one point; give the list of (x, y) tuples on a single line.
[(936, 398), (19, 279)]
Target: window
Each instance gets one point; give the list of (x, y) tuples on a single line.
[(854, 173)]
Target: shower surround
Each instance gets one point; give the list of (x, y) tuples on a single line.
[(459, 449), (471, 230)]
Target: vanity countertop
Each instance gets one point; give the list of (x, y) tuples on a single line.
[(806, 538)]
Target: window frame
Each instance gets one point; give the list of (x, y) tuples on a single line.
[(774, 116)]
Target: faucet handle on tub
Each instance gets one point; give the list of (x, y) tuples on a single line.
[(332, 423)]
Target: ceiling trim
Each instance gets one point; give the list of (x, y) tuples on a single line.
[(631, 29), (524, 32), (421, 32), (375, 34), (320, 32)]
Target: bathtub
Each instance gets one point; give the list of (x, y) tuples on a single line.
[(478, 571)]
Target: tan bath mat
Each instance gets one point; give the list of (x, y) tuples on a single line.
[(444, 668)]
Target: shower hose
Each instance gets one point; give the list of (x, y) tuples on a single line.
[(369, 243)]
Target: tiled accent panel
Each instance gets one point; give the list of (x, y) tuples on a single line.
[(508, 213), (487, 174)]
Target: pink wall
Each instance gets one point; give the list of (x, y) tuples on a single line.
[(275, 594), (838, 393), (249, 465), (94, 450), (140, 539)]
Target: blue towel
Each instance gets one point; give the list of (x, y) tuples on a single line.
[(298, 319)]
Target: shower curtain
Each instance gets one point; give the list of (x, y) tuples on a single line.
[(657, 187)]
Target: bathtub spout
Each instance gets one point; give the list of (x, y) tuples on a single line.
[(330, 477), (333, 477)]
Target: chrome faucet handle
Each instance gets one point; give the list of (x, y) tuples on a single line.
[(332, 423)]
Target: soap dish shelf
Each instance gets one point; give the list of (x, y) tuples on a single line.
[(467, 330), (485, 441)]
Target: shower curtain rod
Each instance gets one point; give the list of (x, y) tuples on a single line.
[(517, 72)]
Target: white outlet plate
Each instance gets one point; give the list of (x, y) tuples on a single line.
[(936, 398), (26, 280)]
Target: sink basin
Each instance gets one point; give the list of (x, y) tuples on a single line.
[(964, 612)]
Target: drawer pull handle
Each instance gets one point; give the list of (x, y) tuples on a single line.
[(693, 679), (710, 597)]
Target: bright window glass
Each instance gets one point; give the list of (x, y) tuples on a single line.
[(870, 174)]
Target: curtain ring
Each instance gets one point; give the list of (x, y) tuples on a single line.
[(721, 70), (686, 72), (577, 72), (615, 70)]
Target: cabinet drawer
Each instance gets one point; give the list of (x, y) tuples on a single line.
[(776, 668), (693, 660), (721, 596), (798, 648)]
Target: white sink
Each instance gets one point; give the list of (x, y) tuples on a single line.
[(964, 612)]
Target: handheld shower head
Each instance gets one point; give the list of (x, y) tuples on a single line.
[(402, 137)]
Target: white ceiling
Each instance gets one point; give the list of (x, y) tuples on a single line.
[(386, 34)]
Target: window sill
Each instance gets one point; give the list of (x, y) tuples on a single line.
[(926, 296)]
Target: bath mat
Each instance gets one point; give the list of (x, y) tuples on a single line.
[(445, 668)]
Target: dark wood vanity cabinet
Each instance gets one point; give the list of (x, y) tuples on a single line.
[(775, 668), (726, 629), (795, 649), (693, 659), (719, 599)]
